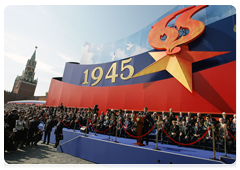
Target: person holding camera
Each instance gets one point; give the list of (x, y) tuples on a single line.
[(58, 132)]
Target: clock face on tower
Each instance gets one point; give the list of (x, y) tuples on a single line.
[(30, 73)]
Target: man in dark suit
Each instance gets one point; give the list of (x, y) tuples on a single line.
[(11, 119), (33, 127), (197, 133), (191, 118), (208, 136), (225, 119), (58, 132), (174, 131), (160, 130), (47, 129), (229, 139), (127, 126), (184, 132), (146, 125)]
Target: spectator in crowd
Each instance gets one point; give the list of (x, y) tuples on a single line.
[(174, 132), (19, 132), (184, 132), (58, 132), (11, 120), (225, 119), (178, 122), (47, 129), (200, 117), (188, 122), (112, 125), (106, 124), (100, 123), (119, 128), (190, 118), (127, 126), (197, 133), (163, 115), (161, 133), (181, 117), (220, 124), (146, 125), (207, 123), (229, 139), (134, 128), (233, 128), (208, 136)]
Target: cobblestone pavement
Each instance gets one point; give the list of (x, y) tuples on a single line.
[(41, 154)]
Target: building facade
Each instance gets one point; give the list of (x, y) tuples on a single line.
[(25, 84)]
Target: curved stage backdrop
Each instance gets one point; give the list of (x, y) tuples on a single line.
[(190, 66)]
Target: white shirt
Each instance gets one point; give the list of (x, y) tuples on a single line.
[(19, 124)]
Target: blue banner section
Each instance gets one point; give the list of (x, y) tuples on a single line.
[(137, 43), (218, 36)]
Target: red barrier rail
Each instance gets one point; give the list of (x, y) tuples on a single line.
[(232, 135), (186, 144), (88, 125), (138, 136), (69, 123), (104, 130)]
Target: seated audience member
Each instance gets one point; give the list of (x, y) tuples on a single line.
[(94, 122), (154, 116), (106, 124), (134, 128), (188, 122), (174, 131), (184, 132), (190, 117), (225, 119), (133, 113), (233, 128), (119, 128), (229, 139), (208, 136), (200, 123), (181, 117), (111, 123), (124, 113), (220, 124), (171, 116), (234, 117), (100, 123), (161, 132), (127, 126), (178, 122), (199, 116), (207, 123), (212, 120), (196, 134), (163, 115)]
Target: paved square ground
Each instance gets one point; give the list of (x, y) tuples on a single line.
[(41, 154)]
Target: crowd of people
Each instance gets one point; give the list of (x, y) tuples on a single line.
[(21, 125)]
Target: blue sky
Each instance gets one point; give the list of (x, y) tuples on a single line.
[(60, 33), (65, 33)]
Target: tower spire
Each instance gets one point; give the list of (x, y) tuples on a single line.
[(33, 58)]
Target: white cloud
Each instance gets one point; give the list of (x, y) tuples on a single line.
[(138, 50), (86, 57), (16, 57), (7, 36), (47, 68), (113, 56), (40, 65), (119, 54), (64, 57)]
